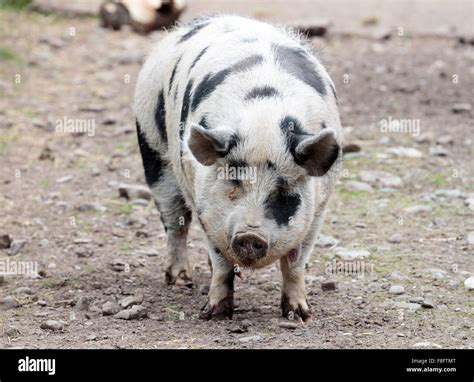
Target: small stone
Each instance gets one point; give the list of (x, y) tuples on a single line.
[(417, 300), (12, 332), (358, 186), (255, 338), (288, 325), (326, 241), (469, 283), (91, 337), (5, 241), (412, 307), (418, 210), (461, 108), (395, 238), (427, 304), (52, 325), (131, 300), (64, 179), (445, 140), (445, 193), (132, 191), (83, 303), (83, 252), (396, 289), (16, 246), (82, 240), (346, 254), (9, 303), (24, 290), (437, 274), (470, 238), (135, 312), (442, 307), (438, 151), (148, 252), (110, 308), (426, 345), (408, 152), (396, 275), (139, 202), (42, 303), (328, 286)]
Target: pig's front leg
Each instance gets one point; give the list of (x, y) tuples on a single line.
[(220, 303), (293, 297)]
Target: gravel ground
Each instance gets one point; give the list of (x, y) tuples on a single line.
[(403, 211)]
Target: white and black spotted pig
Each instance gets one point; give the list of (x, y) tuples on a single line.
[(235, 93)]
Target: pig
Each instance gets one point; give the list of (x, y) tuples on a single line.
[(238, 125)]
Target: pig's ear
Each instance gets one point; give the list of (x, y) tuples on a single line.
[(317, 153), (209, 145)]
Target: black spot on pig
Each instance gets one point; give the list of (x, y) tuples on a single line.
[(203, 122), (173, 73), (195, 28), (281, 205), (185, 108), (198, 58), (211, 81), (262, 92), (323, 125), (152, 161), (296, 62), (160, 117), (271, 165)]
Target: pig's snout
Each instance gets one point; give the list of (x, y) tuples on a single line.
[(249, 247)]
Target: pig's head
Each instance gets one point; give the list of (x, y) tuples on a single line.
[(257, 187)]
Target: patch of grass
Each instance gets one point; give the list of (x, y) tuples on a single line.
[(15, 4), (126, 209), (7, 54), (45, 181), (125, 247), (438, 179)]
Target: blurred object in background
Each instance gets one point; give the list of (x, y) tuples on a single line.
[(143, 16)]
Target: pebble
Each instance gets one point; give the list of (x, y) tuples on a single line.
[(408, 152), (24, 290), (470, 238), (9, 303), (395, 238), (416, 300), (469, 283), (396, 289), (16, 246), (396, 275), (326, 241), (418, 210), (408, 305), (255, 338), (426, 345), (134, 191), (84, 252), (445, 140), (346, 254), (445, 193), (358, 186), (5, 241), (288, 325), (64, 179), (438, 151), (129, 301), (427, 304), (12, 331), (52, 325), (437, 274), (469, 201), (110, 308), (148, 252), (381, 178), (83, 303), (328, 286), (461, 108), (135, 312)]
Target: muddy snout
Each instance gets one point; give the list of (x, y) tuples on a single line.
[(249, 246)]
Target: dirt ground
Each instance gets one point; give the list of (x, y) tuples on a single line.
[(59, 193)]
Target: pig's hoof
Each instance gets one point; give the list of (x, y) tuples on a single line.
[(291, 310), (223, 310), (180, 279)]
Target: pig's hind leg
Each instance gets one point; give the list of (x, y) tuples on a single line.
[(175, 215)]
